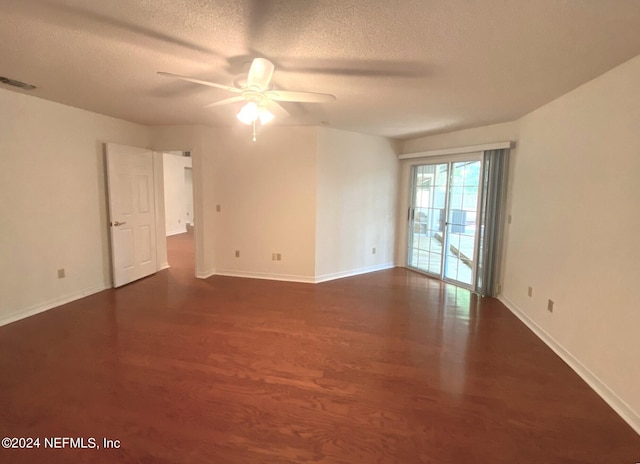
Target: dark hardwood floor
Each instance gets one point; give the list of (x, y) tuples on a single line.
[(389, 367)]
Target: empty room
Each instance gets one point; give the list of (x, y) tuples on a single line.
[(325, 231)]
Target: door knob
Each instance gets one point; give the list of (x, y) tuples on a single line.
[(118, 223)]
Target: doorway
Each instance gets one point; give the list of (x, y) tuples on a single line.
[(443, 219), (178, 210)]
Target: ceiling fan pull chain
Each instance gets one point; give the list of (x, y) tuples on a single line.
[(254, 130)]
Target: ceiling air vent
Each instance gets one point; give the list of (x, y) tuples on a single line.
[(14, 83)]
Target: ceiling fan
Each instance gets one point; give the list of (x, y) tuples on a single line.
[(256, 90)]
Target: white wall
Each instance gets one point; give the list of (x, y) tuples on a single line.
[(576, 226), (188, 184), (266, 191), (357, 178), (53, 204), (177, 193), (574, 195)]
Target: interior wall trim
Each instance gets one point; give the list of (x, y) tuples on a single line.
[(297, 278), (264, 276), (205, 274), (353, 272), (625, 411), (47, 305), (178, 230), (459, 150)]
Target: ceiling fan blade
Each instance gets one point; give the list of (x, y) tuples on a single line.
[(198, 81), (277, 110), (304, 97), (226, 101), (260, 74)]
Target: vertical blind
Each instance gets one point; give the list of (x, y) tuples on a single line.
[(492, 219)]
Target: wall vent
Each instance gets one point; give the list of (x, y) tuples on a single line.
[(187, 154), (14, 83)]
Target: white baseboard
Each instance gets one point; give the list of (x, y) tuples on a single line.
[(182, 230), (353, 272), (205, 274), (265, 276), (295, 278), (609, 396), (42, 307), (163, 266)]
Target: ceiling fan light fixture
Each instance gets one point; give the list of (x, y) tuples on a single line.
[(266, 116), (249, 113)]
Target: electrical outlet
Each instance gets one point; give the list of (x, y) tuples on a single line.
[(179, 221), (509, 219), (218, 208), (373, 251), (530, 291), (237, 253), (550, 306), (61, 273), (278, 257)]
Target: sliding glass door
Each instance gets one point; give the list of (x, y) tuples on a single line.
[(427, 214), (443, 220)]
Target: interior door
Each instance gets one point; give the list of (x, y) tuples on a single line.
[(443, 216), (131, 213)]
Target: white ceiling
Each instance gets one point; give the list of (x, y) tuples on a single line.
[(398, 68)]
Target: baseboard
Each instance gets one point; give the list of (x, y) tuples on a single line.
[(617, 404), (164, 266), (183, 230), (353, 272), (265, 276), (42, 307), (295, 278), (205, 274)]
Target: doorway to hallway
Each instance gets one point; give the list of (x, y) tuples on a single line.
[(179, 209)]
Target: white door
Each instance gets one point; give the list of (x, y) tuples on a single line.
[(131, 213)]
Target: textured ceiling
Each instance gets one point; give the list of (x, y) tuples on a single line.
[(398, 68)]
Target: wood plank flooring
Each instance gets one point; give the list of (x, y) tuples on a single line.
[(389, 367)]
